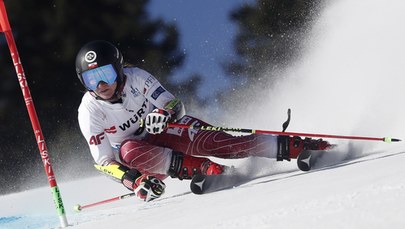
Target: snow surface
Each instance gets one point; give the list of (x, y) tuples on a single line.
[(367, 192), (350, 81)]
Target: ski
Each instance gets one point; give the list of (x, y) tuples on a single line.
[(202, 184), (314, 159)]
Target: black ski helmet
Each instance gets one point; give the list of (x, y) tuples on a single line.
[(99, 53)]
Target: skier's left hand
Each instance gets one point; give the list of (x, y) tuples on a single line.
[(156, 121), (148, 188)]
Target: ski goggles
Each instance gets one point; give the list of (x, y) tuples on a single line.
[(93, 77)]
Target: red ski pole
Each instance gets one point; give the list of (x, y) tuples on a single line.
[(252, 131), (79, 207), (6, 29)]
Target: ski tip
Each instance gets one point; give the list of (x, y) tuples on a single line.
[(389, 140), (303, 160), (197, 184)]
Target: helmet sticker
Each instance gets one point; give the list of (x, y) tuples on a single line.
[(92, 65), (90, 56)]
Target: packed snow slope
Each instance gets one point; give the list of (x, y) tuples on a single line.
[(368, 192), (349, 81)]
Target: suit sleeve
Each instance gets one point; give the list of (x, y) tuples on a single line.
[(90, 122), (150, 87)]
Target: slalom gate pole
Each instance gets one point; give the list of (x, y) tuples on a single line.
[(252, 131), (79, 207), (6, 29)]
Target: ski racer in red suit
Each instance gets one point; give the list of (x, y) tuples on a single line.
[(119, 97)]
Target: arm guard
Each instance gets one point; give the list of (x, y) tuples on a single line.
[(176, 109), (121, 173)]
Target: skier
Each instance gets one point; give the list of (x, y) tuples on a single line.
[(119, 96)]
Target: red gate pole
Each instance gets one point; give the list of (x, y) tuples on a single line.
[(57, 198)]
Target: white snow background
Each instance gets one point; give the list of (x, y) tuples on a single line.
[(349, 81)]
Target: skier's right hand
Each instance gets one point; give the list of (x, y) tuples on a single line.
[(156, 121), (148, 188)]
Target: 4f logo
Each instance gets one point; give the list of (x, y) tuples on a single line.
[(96, 140)]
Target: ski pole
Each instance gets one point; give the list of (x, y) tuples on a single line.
[(79, 207), (57, 198), (252, 131)]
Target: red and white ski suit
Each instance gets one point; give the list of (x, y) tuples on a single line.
[(113, 133)]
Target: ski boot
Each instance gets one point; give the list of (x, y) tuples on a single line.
[(291, 147), (184, 166)]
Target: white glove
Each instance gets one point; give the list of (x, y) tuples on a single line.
[(156, 121)]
